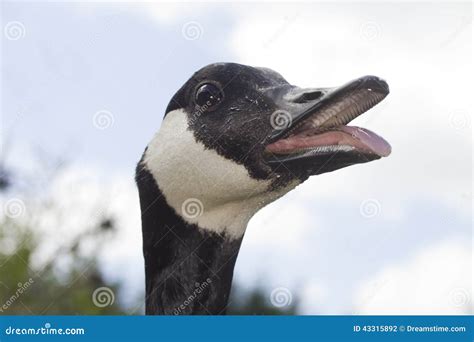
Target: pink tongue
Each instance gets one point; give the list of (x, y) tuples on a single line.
[(371, 140)]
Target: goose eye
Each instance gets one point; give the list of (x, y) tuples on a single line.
[(208, 95)]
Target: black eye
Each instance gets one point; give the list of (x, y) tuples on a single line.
[(208, 95)]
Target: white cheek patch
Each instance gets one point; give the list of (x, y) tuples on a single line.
[(203, 187)]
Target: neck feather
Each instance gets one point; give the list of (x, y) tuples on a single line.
[(188, 270)]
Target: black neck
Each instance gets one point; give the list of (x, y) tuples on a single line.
[(187, 270)]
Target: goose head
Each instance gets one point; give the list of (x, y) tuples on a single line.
[(235, 138)]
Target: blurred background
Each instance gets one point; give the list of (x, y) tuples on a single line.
[(84, 87)]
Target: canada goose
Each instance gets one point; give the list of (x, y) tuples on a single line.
[(235, 138)]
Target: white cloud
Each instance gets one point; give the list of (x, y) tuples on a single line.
[(435, 281), (282, 225), (161, 12), (172, 12)]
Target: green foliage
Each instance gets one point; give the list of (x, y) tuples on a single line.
[(25, 290), (53, 290)]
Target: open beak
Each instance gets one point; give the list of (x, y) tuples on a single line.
[(316, 138)]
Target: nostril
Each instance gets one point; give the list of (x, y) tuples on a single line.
[(309, 96)]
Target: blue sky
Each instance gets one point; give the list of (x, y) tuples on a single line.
[(72, 63), (74, 60)]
